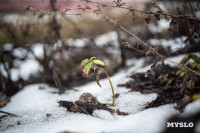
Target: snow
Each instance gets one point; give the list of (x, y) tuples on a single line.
[(19, 52), (24, 68), (38, 50), (107, 38), (30, 66), (38, 110), (100, 41), (162, 25), (174, 44), (12, 18), (8, 47), (79, 43)]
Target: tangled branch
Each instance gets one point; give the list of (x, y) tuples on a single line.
[(150, 49), (131, 9), (119, 4)]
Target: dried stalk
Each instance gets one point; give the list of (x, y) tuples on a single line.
[(110, 84)]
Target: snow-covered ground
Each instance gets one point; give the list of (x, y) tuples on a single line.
[(38, 110)]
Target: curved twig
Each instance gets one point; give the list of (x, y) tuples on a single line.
[(110, 84)]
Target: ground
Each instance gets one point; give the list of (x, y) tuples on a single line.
[(37, 109)]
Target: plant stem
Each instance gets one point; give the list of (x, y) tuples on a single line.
[(110, 84)]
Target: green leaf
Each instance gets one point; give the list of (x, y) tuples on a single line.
[(178, 72), (99, 62), (182, 74), (196, 96), (185, 59), (165, 79), (5, 58), (84, 62), (92, 58), (194, 57), (169, 82), (88, 67), (198, 67)]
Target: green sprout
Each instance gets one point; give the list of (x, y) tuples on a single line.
[(89, 67)]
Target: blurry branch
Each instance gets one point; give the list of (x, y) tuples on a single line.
[(151, 50), (191, 8), (8, 113), (130, 8), (122, 49), (131, 46), (5, 64), (119, 4), (57, 80), (160, 12), (56, 27), (55, 24)]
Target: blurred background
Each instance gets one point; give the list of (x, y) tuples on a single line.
[(44, 41)]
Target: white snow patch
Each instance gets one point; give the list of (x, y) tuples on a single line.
[(133, 102), (2, 70), (8, 47), (38, 50), (29, 67), (19, 52), (14, 19), (162, 25), (38, 110), (174, 44), (79, 43), (104, 39), (33, 107), (24, 69)]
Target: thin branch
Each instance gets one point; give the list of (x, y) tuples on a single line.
[(143, 11), (152, 50), (7, 113), (131, 9), (130, 46), (191, 9)]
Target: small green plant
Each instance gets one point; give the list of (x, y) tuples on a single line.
[(196, 97), (193, 62), (166, 79), (89, 67)]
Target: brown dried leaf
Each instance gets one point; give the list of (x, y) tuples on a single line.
[(4, 101), (28, 7), (147, 19), (121, 113), (117, 95), (97, 79), (157, 16)]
